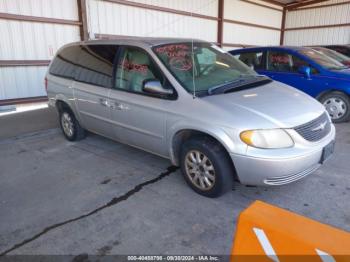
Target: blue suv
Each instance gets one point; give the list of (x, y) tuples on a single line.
[(306, 69)]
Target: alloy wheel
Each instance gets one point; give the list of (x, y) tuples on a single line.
[(200, 170), (67, 124)]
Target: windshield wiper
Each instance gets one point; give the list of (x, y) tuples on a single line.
[(242, 81), (213, 89)]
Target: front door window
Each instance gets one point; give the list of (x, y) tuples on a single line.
[(278, 61), (134, 68)]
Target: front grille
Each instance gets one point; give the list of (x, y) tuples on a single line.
[(282, 180), (316, 129)]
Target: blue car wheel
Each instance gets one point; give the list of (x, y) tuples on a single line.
[(337, 105)]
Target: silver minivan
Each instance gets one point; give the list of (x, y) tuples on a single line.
[(193, 103)]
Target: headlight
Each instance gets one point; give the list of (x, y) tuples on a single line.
[(267, 138)]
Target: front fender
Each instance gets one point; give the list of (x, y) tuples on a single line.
[(342, 90), (214, 131)]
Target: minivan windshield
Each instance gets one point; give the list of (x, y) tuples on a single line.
[(322, 59), (213, 67)]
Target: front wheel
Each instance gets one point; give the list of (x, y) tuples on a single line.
[(337, 105), (206, 167)]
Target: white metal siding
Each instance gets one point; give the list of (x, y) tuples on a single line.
[(116, 19), (204, 7), (339, 14), (18, 82), (322, 36), (23, 40), (250, 13), (31, 41), (62, 9), (247, 35)]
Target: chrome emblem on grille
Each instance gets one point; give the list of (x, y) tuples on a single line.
[(316, 129), (320, 127)]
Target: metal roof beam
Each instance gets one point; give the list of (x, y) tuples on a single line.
[(303, 3)]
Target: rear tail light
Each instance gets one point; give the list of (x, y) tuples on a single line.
[(45, 84)]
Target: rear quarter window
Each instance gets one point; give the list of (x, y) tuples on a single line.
[(252, 59), (95, 65), (65, 63)]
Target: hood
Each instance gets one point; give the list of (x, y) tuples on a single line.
[(269, 106)]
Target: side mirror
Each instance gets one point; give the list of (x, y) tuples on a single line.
[(155, 87), (306, 71)]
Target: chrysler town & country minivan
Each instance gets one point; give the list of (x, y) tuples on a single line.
[(193, 103)]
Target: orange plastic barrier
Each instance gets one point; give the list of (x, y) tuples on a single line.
[(268, 233)]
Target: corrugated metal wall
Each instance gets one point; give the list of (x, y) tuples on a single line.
[(204, 7), (64, 9), (249, 13), (117, 19), (332, 15), (23, 40)]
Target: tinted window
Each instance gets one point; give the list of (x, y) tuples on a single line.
[(253, 60), (283, 62), (95, 65), (297, 62), (279, 61), (135, 66), (64, 64)]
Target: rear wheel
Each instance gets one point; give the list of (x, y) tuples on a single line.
[(206, 167), (70, 126), (337, 105)]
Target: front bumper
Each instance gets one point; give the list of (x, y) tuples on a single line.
[(269, 170)]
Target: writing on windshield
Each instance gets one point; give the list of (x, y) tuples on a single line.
[(201, 65)]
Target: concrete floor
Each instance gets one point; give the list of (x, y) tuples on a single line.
[(97, 196)]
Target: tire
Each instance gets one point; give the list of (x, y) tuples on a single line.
[(218, 165), (338, 106), (70, 126)]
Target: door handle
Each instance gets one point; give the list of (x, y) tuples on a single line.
[(104, 102), (120, 106)]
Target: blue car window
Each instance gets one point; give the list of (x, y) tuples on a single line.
[(279, 61), (297, 63), (253, 60)]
